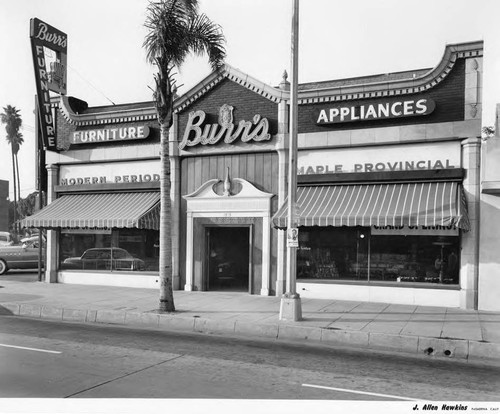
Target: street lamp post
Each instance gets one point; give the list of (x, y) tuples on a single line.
[(290, 307)]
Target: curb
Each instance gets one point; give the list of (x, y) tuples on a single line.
[(439, 348)]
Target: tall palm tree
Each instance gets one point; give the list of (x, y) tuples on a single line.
[(175, 30), (12, 120)]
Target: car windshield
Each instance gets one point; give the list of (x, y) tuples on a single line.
[(120, 254), (96, 254)]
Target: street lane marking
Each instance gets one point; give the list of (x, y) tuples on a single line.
[(31, 349), (359, 392)]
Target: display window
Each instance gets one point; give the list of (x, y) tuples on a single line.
[(355, 254), (109, 250)]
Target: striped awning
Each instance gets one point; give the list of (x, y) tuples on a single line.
[(139, 210), (398, 204)]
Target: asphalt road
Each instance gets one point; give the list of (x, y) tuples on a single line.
[(64, 360)]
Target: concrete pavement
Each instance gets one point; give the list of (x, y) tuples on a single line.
[(466, 335)]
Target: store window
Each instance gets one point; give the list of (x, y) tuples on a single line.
[(109, 250), (355, 254), (336, 253)]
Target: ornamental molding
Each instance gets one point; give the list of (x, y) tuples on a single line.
[(104, 118), (424, 82), (235, 75), (400, 87)]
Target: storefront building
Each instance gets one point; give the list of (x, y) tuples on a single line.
[(102, 217), (388, 186)]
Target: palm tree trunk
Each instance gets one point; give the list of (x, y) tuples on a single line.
[(165, 272), (18, 184), (15, 189)]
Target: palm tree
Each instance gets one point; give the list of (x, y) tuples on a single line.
[(175, 30), (12, 120)]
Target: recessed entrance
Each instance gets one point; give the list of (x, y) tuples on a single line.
[(228, 258)]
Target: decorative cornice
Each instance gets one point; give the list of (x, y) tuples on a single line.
[(362, 90), (424, 82), (120, 115), (418, 84), (228, 72)]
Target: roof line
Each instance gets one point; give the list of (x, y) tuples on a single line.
[(425, 81)]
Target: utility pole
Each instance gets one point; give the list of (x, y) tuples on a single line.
[(290, 307)]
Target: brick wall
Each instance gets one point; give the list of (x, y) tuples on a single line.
[(245, 102), (449, 96)]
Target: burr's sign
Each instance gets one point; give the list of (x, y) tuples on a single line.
[(255, 130), (45, 36)]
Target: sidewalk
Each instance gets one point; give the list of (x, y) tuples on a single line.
[(465, 335)]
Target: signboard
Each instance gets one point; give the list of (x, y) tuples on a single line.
[(409, 157), (373, 110), (86, 231), (110, 134), (414, 230), (106, 173), (198, 133), (44, 36), (292, 237)]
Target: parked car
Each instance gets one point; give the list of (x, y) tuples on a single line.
[(5, 238), (109, 258), (23, 256)]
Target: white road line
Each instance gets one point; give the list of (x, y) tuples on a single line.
[(31, 349), (359, 392)]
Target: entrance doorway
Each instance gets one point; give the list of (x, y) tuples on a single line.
[(228, 258)]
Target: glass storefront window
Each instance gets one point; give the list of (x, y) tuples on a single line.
[(339, 253), (353, 253), (109, 250)]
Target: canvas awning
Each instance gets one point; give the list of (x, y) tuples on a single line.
[(133, 210), (397, 204)]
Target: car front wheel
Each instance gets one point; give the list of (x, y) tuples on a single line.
[(3, 267)]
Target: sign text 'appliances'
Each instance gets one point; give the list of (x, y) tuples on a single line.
[(110, 134), (210, 134), (374, 110)]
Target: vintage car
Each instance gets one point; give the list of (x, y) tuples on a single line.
[(109, 258), (5, 238), (22, 256)]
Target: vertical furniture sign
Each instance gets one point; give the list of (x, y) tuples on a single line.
[(43, 36)]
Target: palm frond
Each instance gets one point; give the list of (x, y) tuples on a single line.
[(176, 29), (204, 36)]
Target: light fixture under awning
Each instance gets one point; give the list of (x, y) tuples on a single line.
[(130, 210), (397, 204)]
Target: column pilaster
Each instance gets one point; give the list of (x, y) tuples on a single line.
[(52, 254), (471, 158)]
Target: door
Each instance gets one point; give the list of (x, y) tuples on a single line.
[(228, 259)]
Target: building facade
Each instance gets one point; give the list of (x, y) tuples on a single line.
[(388, 176), (388, 186), (103, 197), (4, 205)]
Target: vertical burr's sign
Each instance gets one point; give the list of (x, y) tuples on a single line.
[(44, 36)]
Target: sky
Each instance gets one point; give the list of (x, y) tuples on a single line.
[(337, 39)]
